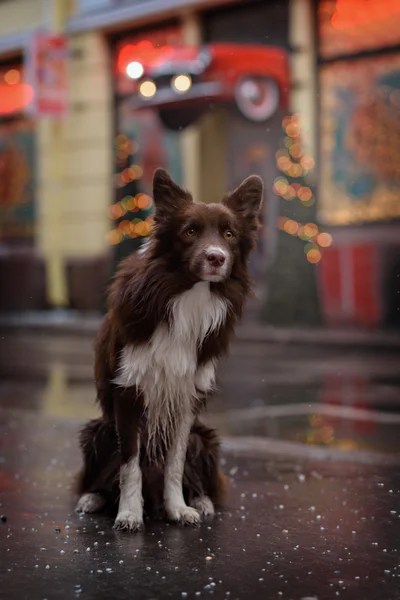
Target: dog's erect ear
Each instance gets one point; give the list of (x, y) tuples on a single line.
[(246, 200), (168, 196)]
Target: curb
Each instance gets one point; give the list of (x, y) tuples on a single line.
[(70, 323), (255, 447)]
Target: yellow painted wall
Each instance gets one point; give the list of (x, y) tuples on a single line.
[(20, 15), (86, 156)]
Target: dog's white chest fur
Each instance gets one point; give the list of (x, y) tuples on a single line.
[(165, 369)]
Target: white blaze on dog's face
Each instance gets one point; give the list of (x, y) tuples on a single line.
[(205, 240)]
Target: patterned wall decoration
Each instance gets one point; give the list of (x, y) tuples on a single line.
[(360, 140), (17, 180)]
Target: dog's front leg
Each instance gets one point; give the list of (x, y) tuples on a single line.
[(175, 505), (127, 418)]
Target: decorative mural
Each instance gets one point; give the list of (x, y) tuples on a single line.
[(360, 140), (17, 186)]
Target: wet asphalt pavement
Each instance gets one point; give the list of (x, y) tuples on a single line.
[(312, 448)]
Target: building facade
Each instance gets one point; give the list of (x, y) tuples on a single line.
[(76, 197)]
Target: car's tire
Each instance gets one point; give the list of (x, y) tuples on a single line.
[(257, 98)]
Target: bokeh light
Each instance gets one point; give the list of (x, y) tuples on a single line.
[(12, 77), (304, 193), (310, 230), (134, 69), (296, 151), (291, 227), (324, 240), (307, 162), (314, 256), (148, 89), (182, 83)]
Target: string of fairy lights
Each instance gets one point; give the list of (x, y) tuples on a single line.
[(131, 226), (291, 160), (294, 163)]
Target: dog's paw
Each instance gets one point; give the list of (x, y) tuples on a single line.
[(186, 515), (128, 521), (204, 506), (90, 503)]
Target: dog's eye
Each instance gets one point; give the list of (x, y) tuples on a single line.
[(228, 235), (190, 232)]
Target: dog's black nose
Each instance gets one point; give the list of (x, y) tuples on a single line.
[(216, 259)]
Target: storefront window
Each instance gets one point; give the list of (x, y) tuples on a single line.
[(17, 159), (142, 142), (360, 140)]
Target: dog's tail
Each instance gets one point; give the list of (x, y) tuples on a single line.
[(100, 471), (203, 476)]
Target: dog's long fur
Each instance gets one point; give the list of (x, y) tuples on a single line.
[(172, 310)]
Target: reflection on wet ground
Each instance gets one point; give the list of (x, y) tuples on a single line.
[(292, 528), (339, 398)]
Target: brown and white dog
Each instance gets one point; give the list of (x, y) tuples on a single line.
[(172, 309)]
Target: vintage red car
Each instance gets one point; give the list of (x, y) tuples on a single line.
[(183, 82)]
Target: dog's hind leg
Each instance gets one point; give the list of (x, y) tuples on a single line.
[(90, 503), (96, 482), (204, 483)]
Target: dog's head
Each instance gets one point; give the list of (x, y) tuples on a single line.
[(206, 241)]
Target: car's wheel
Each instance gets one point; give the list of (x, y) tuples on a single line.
[(257, 98), (180, 118)]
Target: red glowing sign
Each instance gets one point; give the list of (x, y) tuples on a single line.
[(142, 52), (14, 95), (145, 53)]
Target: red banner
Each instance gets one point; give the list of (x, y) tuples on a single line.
[(47, 73)]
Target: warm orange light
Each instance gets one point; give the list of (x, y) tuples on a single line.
[(310, 230), (283, 163), (280, 186), (117, 211), (114, 237), (291, 227), (143, 201), (293, 130), (290, 193), (125, 227), (324, 240), (295, 170), (130, 203), (296, 151), (307, 162), (12, 77), (314, 256), (304, 193)]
